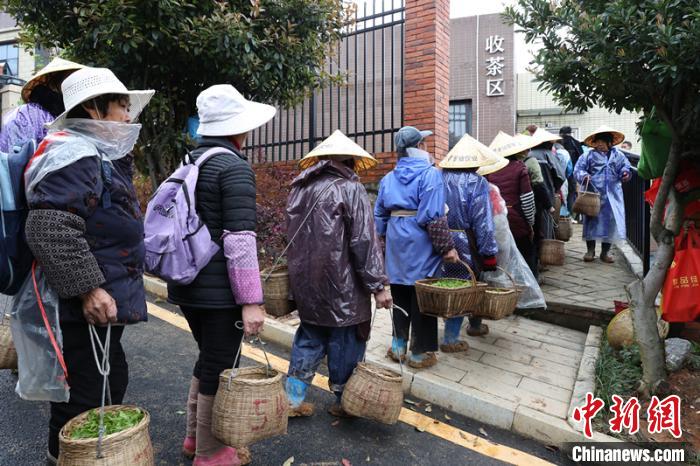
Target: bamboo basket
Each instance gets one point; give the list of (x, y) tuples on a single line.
[(8, 354), (275, 282), (564, 230), (249, 406), (450, 302), (552, 252), (373, 392), (557, 206), (131, 446), (587, 202), (499, 302)]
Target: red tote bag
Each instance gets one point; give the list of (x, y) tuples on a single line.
[(681, 294)]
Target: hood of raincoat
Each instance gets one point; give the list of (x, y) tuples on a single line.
[(335, 261), (408, 168)]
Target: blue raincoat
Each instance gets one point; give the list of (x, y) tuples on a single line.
[(606, 171), (413, 185), (467, 196)]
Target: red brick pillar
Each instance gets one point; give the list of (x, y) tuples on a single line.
[(427, 70)]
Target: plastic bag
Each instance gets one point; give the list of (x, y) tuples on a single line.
[(39, 351), (656, 143), (510, 259), (682, 284)]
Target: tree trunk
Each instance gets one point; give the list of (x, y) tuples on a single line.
[(643, 293)]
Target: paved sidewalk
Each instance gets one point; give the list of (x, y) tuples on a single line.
[(592, 285)]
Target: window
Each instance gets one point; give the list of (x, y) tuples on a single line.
[(460, 120), (9, 55)]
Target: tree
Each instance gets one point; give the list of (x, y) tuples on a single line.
[(633, 55), (271, 50)]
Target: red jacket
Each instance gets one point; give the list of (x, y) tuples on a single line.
[(513, 181)]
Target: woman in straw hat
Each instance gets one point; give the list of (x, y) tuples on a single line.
[(604, 167), (335, 266), (42, 103), (228, 289), (85, 230), (470, 218), (513, 181), (410, 213)]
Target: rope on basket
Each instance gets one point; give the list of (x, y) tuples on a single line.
[(393, 328), (257, 339), (103, 368)]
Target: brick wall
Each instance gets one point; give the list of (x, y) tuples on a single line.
[(426, 70)]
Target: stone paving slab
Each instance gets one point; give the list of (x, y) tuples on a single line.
[(593, 285)]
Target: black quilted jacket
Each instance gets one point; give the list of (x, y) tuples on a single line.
[(225, 201)]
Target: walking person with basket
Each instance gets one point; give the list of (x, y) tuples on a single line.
[(335, 266), (603, 169), (227, 290), (85, 230), (470, 218), (410, 214)]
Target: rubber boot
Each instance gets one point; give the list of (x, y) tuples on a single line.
[(590, 255), (336, 409), (397, 350), (296, 392), (450, 341), (189, 445), (210, 452), (422, 360), (605, 254)]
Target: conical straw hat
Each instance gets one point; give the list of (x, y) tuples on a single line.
[(338, 144), (469, 153), (618, 136), (494, 167), (506, 145), (542, 135), (55, 66)]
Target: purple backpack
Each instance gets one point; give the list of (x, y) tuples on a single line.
[(178, 244)]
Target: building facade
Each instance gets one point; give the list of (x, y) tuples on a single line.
[(16, 62)]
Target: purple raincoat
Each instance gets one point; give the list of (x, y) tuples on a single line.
[(24, 123)]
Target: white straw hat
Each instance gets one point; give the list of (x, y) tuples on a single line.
[(542, 135), (506, 145), (469, 153), (88, 83), (618, 136), (223, 111), (56, 65), (338, 144)]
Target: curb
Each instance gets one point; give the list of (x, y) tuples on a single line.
[(632, 259), (482, 407)]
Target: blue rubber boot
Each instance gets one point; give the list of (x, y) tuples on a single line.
[(296, 392), (451, 342), (397, 350)]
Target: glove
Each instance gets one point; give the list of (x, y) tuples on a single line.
[(489, 263)]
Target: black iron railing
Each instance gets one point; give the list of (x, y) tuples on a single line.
[(368, 107), (637, 213)]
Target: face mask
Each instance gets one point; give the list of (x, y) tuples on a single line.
[(115, 140), (419, 154)]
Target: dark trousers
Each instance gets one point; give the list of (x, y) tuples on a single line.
[(218, 340), (529, 252), (342, 345), (423, 328), (83, 377), (604, 250)]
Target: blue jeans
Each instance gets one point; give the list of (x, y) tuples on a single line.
[(312, 342)]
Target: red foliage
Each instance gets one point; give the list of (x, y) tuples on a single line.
[(273, 182)]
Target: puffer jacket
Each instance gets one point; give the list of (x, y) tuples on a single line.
[(335, 261), (225, 200), (82, 244), (513, 181)]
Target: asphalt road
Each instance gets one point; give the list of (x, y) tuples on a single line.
[(160, 358)]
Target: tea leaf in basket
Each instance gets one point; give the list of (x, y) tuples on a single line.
[(451, 283), (114, 421)]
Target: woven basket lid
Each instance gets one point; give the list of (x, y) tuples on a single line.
[(469, 153), (338, 144), (55, 66), (618, 136)]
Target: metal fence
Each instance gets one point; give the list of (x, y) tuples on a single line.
[(637, 214), (368, 107)]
